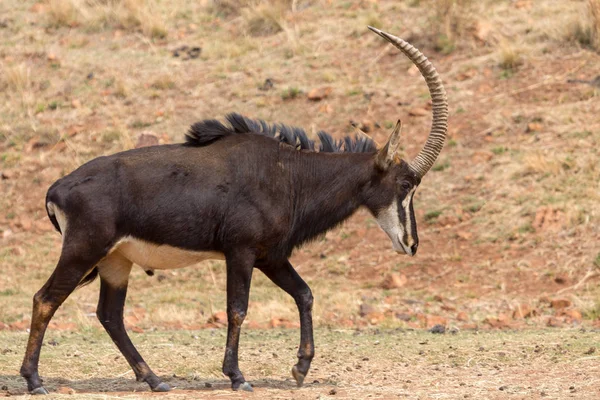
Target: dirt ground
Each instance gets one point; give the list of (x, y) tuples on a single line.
[(350, 364), (507, 219)]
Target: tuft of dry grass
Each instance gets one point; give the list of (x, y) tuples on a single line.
[(265, 18), (594, 10), (585, 29), (452, 19), (16, 78), (130, 15), (63, 13), (509, 56)]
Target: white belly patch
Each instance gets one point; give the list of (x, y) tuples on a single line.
[(154, 256)]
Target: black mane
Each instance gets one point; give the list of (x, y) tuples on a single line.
[(208, 131)]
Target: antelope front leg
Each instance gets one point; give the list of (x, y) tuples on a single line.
[(286, 277), (239, 274)]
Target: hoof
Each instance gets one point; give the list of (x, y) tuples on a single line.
[(162, 387), (39, 390), (297, 376), (245, 387)]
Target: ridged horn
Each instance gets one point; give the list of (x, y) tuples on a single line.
[(439, 126)]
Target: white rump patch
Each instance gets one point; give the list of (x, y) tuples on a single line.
[(60, 216)]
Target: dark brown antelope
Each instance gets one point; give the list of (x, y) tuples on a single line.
[(246, 192)]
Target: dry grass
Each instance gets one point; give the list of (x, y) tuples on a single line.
[(509, 56), (131, 15), (594, 10), (585, 27), (452, 19)]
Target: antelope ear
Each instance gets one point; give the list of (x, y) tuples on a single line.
[(385, 156)]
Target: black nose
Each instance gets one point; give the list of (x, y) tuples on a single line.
[(414, 248)]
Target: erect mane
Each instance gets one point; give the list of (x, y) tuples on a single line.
[(208, 131)]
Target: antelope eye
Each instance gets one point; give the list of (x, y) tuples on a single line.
[(405, 186)]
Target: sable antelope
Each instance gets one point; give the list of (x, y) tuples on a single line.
[(246, 192)]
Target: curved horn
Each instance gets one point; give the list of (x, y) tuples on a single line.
[(437, 135)]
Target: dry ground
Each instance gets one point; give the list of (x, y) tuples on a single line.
[(508, 219), (350, 364)]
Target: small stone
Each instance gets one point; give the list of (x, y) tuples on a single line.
[(76, 103), (365, 309), (560, 303), (590, 351), (65, 390), (319, 94), (219, 318), (534, 127), (394, 281), (332, 392), (439, 329), (561, 278), (418, 112), (462, 316), (523, 311), (208, 384), (554, 322)]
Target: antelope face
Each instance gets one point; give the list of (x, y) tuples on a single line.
[(397, 218)]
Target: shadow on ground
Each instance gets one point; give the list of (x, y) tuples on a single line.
[(15, 385)]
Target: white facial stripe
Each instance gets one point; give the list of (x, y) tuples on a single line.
[(390, 223), (406, 205)]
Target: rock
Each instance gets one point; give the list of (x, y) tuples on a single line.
[(146, 139), (218, 319), (418, 112), (283, 323), (76, 103), (438, 329), (433, 320), (534, 127), (590, 351), (524, 311), (4, 175), (570, 315), (65, 390), (267, 85), (404, 316), (464, 235), (561, 278), (462, 316), (548, 218), (375, 318), (394, 281), (554, 322), (482, 156), (319, 94), (501, 322), (483, 30), (560, 303), (365, 309)]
